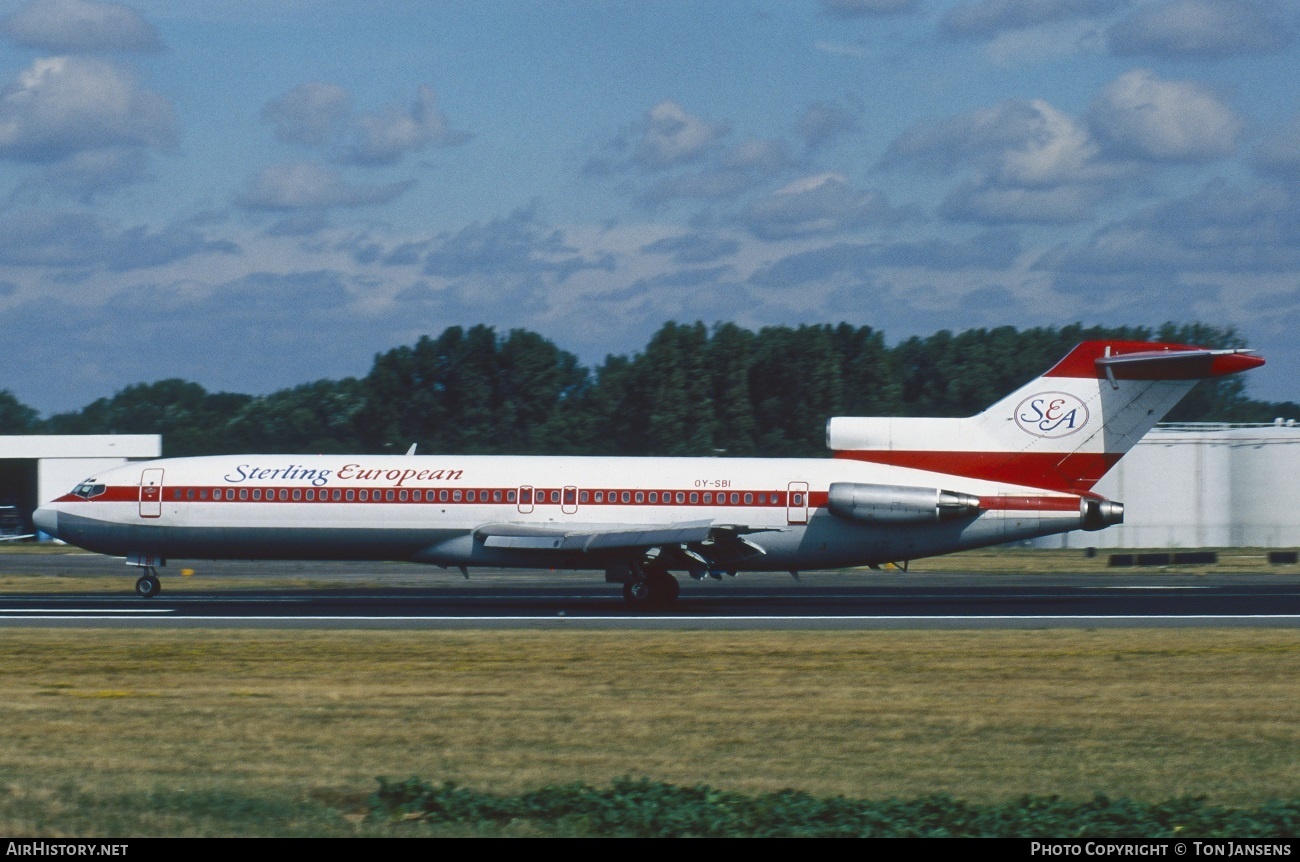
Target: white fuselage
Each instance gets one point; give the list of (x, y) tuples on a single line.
[(437, 509)]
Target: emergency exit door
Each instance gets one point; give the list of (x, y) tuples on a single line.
[(151, 490), (796, 507)]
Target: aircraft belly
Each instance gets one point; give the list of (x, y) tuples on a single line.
[(380, 542)]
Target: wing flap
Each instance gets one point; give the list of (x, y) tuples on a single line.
[(572, 538)]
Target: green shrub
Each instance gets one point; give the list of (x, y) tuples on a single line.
[(643, 808)]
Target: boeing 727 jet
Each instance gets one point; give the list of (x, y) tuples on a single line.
[(896, 489)]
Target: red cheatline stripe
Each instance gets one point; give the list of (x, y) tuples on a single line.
[(497, 496)]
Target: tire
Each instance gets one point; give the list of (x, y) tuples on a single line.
[(666, 587), (638, 593), (147, 587), (656, 590)]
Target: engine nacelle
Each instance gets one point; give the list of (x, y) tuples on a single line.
[(1100, 514), (899, 504)]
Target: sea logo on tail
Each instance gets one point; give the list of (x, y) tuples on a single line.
[(1051, 414)]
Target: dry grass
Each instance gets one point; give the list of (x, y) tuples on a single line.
[(980, 715)]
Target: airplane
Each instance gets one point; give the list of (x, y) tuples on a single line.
[(896, 489)]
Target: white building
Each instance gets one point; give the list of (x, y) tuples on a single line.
[(1203, 485), (35, 469)]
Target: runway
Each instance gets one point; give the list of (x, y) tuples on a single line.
[(393, 596)]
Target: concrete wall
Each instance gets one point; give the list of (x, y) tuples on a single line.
[(1197, 486)]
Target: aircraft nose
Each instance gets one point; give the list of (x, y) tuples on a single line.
[(47, 521)]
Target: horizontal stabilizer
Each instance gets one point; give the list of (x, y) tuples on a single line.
[(1176, 365)]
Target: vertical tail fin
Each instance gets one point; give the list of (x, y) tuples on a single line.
[(1061, 431)]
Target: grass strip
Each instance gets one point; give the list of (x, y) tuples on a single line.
[(640, 808), (99, 727)]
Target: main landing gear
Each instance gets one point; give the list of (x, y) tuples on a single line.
[(650, 588), (148, 586)]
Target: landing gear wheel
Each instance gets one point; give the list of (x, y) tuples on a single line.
[(147, 587), (668, 588), (655, 590)]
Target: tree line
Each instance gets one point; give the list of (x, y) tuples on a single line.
[(693, 390)]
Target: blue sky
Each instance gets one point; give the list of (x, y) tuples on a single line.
[(252, 195)]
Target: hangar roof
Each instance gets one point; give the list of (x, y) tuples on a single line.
[(81, 446)]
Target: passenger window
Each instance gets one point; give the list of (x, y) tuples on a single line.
[(640, 497), (510, 496), (681, 498), (388, 495), (470, 496), (582, 496), (695, 498), (496, 496), (442, 496), (627, 498), (455, 496), (297, 495), (352, 495), (749, 498), (363, 495), (284, 494), (401, 496), (175, 494), (243, 493), (708, 497), (600, 496), (654, 498), (735, 498), (555, 496)]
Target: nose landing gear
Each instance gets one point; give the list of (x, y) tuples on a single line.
[(148, 585)]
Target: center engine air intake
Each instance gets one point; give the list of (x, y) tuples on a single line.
[(899, 504)]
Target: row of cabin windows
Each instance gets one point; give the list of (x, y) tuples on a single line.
[(526, 496)]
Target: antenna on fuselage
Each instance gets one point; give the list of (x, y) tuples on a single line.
[(411, 451)]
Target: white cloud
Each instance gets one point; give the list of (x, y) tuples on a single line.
[(671, 136), (1141, 115), (821, 205), (1279, 152), (318, 114), (1201, 28), (309, 114), (310, 186), (1031, 163), (80, 26), (385, 136), (821, 123), (988, 18), (63, 105)]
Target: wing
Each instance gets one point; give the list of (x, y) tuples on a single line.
[(698, 546)]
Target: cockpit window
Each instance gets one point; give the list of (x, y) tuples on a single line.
[(88, 490)]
